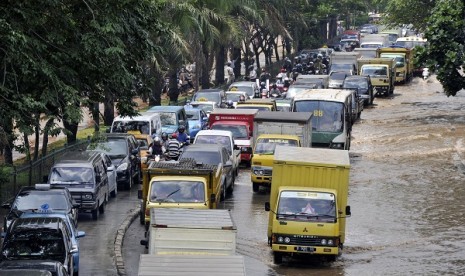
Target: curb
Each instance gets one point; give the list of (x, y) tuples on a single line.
[(118, 246)]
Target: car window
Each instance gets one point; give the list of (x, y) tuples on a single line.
[(71, 175), (31, 200), (225, 155), (114, 148)]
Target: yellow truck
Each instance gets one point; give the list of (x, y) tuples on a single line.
[(404, 61), (308, 202), (182, 184), (291, 129), (382, 72)]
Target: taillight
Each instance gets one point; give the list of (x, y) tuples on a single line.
[(147, 212)]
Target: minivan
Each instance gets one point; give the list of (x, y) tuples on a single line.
[(85, 175), (146, 123), (171, 117)]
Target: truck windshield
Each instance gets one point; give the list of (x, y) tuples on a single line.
[(138, 126), (355, 83), (302, 205), (400, 60), (374, 70), (327, 116), (71, 175), (214, 139), (177, 191), (268, 145), (238, 132)]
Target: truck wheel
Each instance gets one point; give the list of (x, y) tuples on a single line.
[(255, 187), (95, 214), (223, 192), (231, 189), (102, 208), (277, 257), (142, 216), (331, 258)]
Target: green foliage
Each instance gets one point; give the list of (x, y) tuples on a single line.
[(445, 51)]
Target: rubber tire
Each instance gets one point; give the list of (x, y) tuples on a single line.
[(223, 192), (142, 216), (128, 184), (101, 208), (95, 214), (331, 258), (255, 187), (76, 273), (231, 189), (277, 258), (114, 192)]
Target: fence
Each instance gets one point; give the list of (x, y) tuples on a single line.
[(33, 172)]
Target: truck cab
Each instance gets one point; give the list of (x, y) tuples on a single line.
[(240, 123), (381, 72), (182, 184)]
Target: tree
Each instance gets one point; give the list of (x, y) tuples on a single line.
[(446, 41)]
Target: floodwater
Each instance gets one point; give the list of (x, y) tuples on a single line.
[(407, 193)]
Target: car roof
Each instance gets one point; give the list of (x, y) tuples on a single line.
[(117, 135), (141, 117), (83, 158), (54, 189), (242, 83), (210, 132), (51, 223), (210, 90), (203, 148), (165, 108)]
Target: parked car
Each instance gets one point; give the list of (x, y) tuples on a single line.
[(123, 149), (85, 175), (32, 268), (249, 87), (74, 233), (198, 120), (208, 107), (214, 155), (210, 95), (39, 239), (55, 199), (171, 117), (363, 86)]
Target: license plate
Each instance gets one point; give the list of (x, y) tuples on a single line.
[(305, 249)]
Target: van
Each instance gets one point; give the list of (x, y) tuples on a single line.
[(85, 175), (171, 117), (146, 123), (332, 116)]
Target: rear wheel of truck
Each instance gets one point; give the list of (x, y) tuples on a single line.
[(255, 187), (277, 257), (142, 216), (223, 192)]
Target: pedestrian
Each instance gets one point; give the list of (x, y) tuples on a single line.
[(230, 73)]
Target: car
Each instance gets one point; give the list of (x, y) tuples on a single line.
[(198, 120), (210, 95), (363, 86), (32, 198), (145, 123), (84, 173), (284, 105), (39, 239), (171, 117), (75, 234), (123, 149), (207, 106), (234, 96), (111, 173), (32, 268), (214, 155), (249, 87), (336, 78)]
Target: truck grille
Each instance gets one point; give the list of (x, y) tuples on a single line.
[(267, 172), (305, 241)]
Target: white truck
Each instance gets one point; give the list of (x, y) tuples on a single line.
[(179, 231), (221, 137), (344, 61), (156, 265)]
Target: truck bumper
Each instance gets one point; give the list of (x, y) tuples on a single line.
[(263, 180), (381, 90), (312, 250)]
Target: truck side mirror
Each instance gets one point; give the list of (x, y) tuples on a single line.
[(267, 206), (348, 213), (144, 242)]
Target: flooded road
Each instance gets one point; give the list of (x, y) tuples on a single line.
[(407, 193)]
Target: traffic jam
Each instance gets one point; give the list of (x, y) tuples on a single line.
[(292, 131)]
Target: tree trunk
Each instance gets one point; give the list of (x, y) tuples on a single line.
[(205, 78), (96, 116), (27, 148), (72, 128), (108, 109), (47, 128), (237, 59), (8, 149), (219, 68), (174, 91), (37, 137), (276, 51)]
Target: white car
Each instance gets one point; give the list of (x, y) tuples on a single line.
[(234, 96), (111, 173), (208, 107)]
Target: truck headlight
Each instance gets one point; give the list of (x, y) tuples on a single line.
[(122, 167), (337, 146), (258, 172), (287, 240), (87, 196), (280, 239), (330, 242), (323, 242)]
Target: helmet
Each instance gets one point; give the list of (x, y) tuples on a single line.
[(156, 140), (164, 136), (262, 83), (181, 128), (230, 103), (228, 63), (310, 63)]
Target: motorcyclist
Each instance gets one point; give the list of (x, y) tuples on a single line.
[(311, 68), (230, 104), (156, 148), (319, 64), (182, 136), (174, 148), (264, 75), (164, 140), (252, 73), (287, 66), (274, 90)]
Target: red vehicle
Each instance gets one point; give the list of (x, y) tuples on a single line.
[(352, 32), (240, 123)]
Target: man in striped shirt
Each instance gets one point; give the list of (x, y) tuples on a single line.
[(173, 151)]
